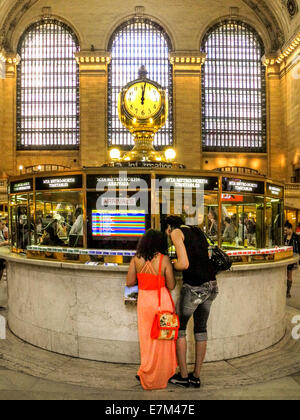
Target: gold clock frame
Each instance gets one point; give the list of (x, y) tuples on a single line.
[(143, 130)]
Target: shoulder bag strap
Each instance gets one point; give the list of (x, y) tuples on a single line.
[(159, 287), (159, 281)]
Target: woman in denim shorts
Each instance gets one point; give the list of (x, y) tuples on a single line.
[(197, 294)]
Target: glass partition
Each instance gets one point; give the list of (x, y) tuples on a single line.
[(121, 206), (242, 221), (274, 222), (21, 220), (59, 218)]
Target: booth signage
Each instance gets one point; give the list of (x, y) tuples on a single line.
[(275, 190), (59, 182), (123, 180), (232, 197), (118, 201), (242, 185), (207, 183), (21, 186), (146, 165)]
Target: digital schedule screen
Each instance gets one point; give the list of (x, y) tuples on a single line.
[(120, 223)]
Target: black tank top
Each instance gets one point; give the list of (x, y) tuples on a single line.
[(200, 268)]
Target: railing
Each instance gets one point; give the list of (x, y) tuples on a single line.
[(3, 185), (42, 168), (292, 186), (238, 170), (3, 192)]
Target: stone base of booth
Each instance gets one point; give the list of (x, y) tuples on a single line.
[(79, 310), (128, 352)]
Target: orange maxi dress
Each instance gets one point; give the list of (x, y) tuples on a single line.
[(158, 357)]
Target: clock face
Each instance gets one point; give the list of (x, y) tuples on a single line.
[(142, 100)]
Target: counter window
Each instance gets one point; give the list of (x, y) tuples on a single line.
[(21, 220), (274, 222), (59, 218), (242, 221), (204, 214)]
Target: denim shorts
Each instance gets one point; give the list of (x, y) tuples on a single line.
[(196, 301)]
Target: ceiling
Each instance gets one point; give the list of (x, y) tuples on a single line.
[(272, 14)]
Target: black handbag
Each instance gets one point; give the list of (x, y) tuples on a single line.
[(220, 260)]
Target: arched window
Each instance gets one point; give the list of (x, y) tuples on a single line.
[(135, 43), (233, 89), (48, 88)]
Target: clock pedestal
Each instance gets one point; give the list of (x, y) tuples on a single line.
[(143, 149)]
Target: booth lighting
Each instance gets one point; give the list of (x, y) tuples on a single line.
[(170, 154), (21, 168), (115, 154)]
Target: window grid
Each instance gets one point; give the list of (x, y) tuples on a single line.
[(135, 43), (233, 89), (48, 88)]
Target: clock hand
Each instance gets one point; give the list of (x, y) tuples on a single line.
[(143, 94)]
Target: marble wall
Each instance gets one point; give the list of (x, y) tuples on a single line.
[(80, 311)]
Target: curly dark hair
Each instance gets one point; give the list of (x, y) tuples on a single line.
[(151, 243), (174, 221)]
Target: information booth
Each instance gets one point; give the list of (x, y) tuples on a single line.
[(105, 212), (74, 233)]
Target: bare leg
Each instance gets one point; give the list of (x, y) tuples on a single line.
[(181, 349), (200, 347)]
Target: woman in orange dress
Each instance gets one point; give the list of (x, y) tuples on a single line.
[(158, 357)]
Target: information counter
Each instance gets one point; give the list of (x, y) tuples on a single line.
[(73, 235), (79, 310), (111, 208)]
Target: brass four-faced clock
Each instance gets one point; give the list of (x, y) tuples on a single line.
[(143, 109), (143, 100)]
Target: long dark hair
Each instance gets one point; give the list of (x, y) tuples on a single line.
[(153, 242)]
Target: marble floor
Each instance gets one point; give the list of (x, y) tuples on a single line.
[(29, 373)]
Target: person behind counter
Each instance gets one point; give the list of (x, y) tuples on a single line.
[(50, 236), (76, 232), (197, 294), (291, 239), (213, 225), (158, 357), (5, 229), (3, 242), (229, 231), (77, 228)]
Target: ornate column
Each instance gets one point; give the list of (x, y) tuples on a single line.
[(187, 106), (276, 146), (9, 62), (93, 106)]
